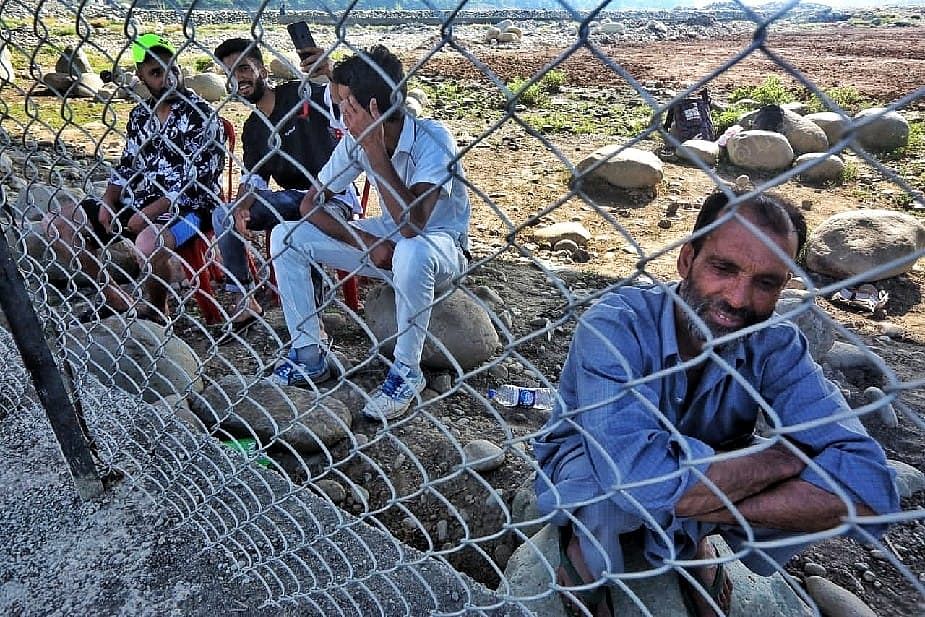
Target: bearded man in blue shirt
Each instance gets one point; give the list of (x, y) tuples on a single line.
[(660, 397)]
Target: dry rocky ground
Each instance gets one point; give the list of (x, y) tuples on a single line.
[(522, 181)]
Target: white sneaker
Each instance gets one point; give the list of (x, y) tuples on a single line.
[(395, 395)]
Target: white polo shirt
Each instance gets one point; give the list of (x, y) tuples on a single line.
[(426, 153)]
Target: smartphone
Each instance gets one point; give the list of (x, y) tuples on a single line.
[(301, 37)]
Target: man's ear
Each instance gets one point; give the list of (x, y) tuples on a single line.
[(686, 259)]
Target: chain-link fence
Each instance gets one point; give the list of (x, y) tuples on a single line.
[(440, 365)]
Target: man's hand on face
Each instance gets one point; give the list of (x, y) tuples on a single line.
[(359, 121), (308, 63)]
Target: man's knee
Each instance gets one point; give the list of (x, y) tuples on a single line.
[(281, 238), (151, 242), (413, 255)]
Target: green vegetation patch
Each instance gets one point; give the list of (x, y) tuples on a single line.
[(52, 112)]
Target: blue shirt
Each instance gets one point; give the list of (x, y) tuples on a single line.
[(626, 428)]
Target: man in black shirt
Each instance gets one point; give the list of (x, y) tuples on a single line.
[(288, 137)]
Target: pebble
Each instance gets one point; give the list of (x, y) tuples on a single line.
[(807, 204), (442, 530), (869, 576), (499, 372), (861, 566), (482, 455), (814, 569), (665, 224), (333, 490), (878, 554), (891, 330), (502, 554), (409, 523), (442, 383)]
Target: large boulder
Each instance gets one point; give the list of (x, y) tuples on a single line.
[(760, 150), (275, 414), (209, 86), (800, 308), (135, 355), (699, 150), (457, 322), (38, 199), (7, 74), (888, 131), (531, 569), (629, 168), (832, 124), (825, 167), (73, 63), (853, 243)]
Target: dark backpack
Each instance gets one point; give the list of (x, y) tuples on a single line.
[(689, 118)]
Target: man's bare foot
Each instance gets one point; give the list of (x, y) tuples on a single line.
[(246, 310), (720, 590)]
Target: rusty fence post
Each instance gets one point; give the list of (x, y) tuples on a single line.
[(49, 384)]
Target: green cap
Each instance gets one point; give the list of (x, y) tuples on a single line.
[(147, 43)]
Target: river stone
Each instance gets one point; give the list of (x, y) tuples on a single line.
[(482, 455), (855, 242), (525, 514), (887, 132), (612, 27), (38, 199), (286, 67), (762, 150), (6, 165), (630, 168), (87, 86), (73, 63), (829, 167), (796, 107), (135, 355), (813, 322), (804, 135), (832, 124), (508, 37), (59, 83), (909, 480), (209, 86), (833, 600), (699, 149), (7, 74), (274, 413), (531, 569), (458, 322), (555, 233)]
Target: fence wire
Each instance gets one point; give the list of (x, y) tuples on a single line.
[(436, 510)]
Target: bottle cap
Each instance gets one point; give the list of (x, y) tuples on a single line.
[(492, 393)]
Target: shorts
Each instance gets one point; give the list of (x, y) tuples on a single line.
[(183, 228)]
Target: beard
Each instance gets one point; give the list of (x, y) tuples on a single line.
[(258, 88), (172, 88), (703, 305)]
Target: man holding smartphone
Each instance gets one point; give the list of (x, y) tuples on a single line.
[(288, 138), (418, 243), (162, 191)]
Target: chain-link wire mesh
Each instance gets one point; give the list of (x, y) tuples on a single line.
[(514, 150)]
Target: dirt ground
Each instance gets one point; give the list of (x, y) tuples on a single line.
[(527, 181)]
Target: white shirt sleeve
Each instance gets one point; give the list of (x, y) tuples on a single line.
[(434, 153)]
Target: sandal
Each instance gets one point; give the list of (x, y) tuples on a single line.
[(865, 297), (242, 325), (689, 593), (592, 600)]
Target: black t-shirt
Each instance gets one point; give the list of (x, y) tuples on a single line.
[(308, 139)]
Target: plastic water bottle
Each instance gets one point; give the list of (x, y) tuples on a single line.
[(515, 396)]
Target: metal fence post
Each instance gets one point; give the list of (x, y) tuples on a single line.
[(28, 335)]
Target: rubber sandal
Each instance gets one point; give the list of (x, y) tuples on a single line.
[(568, 576), (715, 588), (866, 297), (242, 325)]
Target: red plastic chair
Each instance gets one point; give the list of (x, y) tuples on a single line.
[(350, 284), (200, 271)]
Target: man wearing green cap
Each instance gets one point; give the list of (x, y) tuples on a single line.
[(162, 191)]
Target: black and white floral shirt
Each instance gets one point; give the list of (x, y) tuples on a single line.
[(180, 159)]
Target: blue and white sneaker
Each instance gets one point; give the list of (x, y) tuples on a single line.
[(392, 398), (291, 372)]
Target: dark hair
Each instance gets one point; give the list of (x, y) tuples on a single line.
[(771, 212), (374, 74), (246, 47)]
